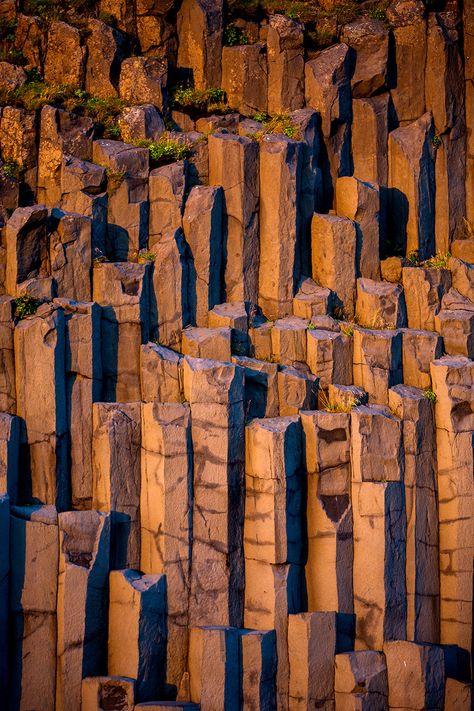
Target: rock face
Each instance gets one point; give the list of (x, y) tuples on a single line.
[(236, 355)]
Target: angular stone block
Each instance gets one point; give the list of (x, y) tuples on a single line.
[(329, 512), (327, 85), (424, 289), (457, 696), (453, 381), (289, 340), (415, 675), (380, 304), (314, 638), (213, 343), (377, 362), (105, 51), (100, 691), (200, 41), (329, 356), (379, 562), (360, 202), (369, 39), (409, 31), (377, 452), (137, 630), (312, 300), (160, 374), (361, 681), (25, 238), (259, 664), (169, 299), (261, 387), (233, 316), (334, 245), (214, 667), (122, 289), (419, 349), (65, 57), (245, 77), (457, 330), (116, 441), (143, 81), (297, 390), (70, 245), (272, 593), (274, 491), (61, 133)]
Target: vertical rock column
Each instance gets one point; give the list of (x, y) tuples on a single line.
[(83, 387), (10, 433), (169, 293), (234, 164), (329, 511), (116, 477), (378, 505), (215, 392), (7, 355), (360, 201), (419, 442), (314, 639), (200, 41), (285, 46), (41, 401), (453, 383), (202, 224), (411, 185), (84, 543), (137, 631), (5, 657), (334, 248), (281, 163), (123, 291), (166, 518), (70, 253), (273, 530), (26, 245), (33, 593), (444, 89)]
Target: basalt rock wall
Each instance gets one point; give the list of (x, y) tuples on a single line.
[(236, 355)]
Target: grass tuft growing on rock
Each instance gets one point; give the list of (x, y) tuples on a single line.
[(165, 150), (234, 36), (430, 395), (209, 100), (278, 124), (25, 306), (35, 94)]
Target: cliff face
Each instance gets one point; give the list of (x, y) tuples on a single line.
[(236, 355)]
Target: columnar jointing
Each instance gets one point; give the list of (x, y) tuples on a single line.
[(236, 355)]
